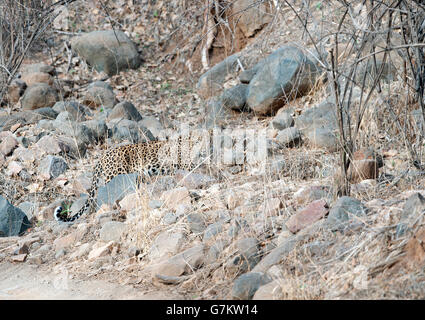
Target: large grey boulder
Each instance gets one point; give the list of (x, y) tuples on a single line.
[(13, 221), (285, 74), (110, 51)]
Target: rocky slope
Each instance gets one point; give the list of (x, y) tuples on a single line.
[(268, 227)]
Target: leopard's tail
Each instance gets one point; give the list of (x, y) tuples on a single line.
[(66, 216)]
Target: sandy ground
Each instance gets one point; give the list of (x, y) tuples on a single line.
[(22, 281)]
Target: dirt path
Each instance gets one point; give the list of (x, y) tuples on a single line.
[(22, 281)]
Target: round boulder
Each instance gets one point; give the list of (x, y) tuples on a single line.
[(110, 51), (39, 95)]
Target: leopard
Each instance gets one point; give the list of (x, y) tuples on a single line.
[(147, 159), (186, 151)]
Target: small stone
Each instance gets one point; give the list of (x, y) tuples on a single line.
[(117, 189), (234, 199), (192, 180), (311, 193), (37, 77), (155, 204), (307, 216), (153, 125), (269, 291), (27, 155), (75, 148), (69, 240), (2, 160), (23, 248), (343, 211), (60, 253), (49, 145), (36, 259), (81, 251), (29, 208), (13, 221), (130, 202), (365, 165), (414, 205), (101, 251), (123, 129), (75, 110), (110, 51), (39, 95), (289, 136), (212, 230), (38, 67), (19, 257), (235, 97), (7, 145), (215, 250), (412, 208), (14, 168), (282, 120), (99, 95), (247, 284), (246, 259), (271, 207), (112, 231), (196, 222), (211, 82), (183, 209), (51, 167), (166, 243), (323, 138), (169, 218), (44, 249), (283, 236), (415, 253), (174, 197), (16, 90), (182, 263), (125, 110)]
